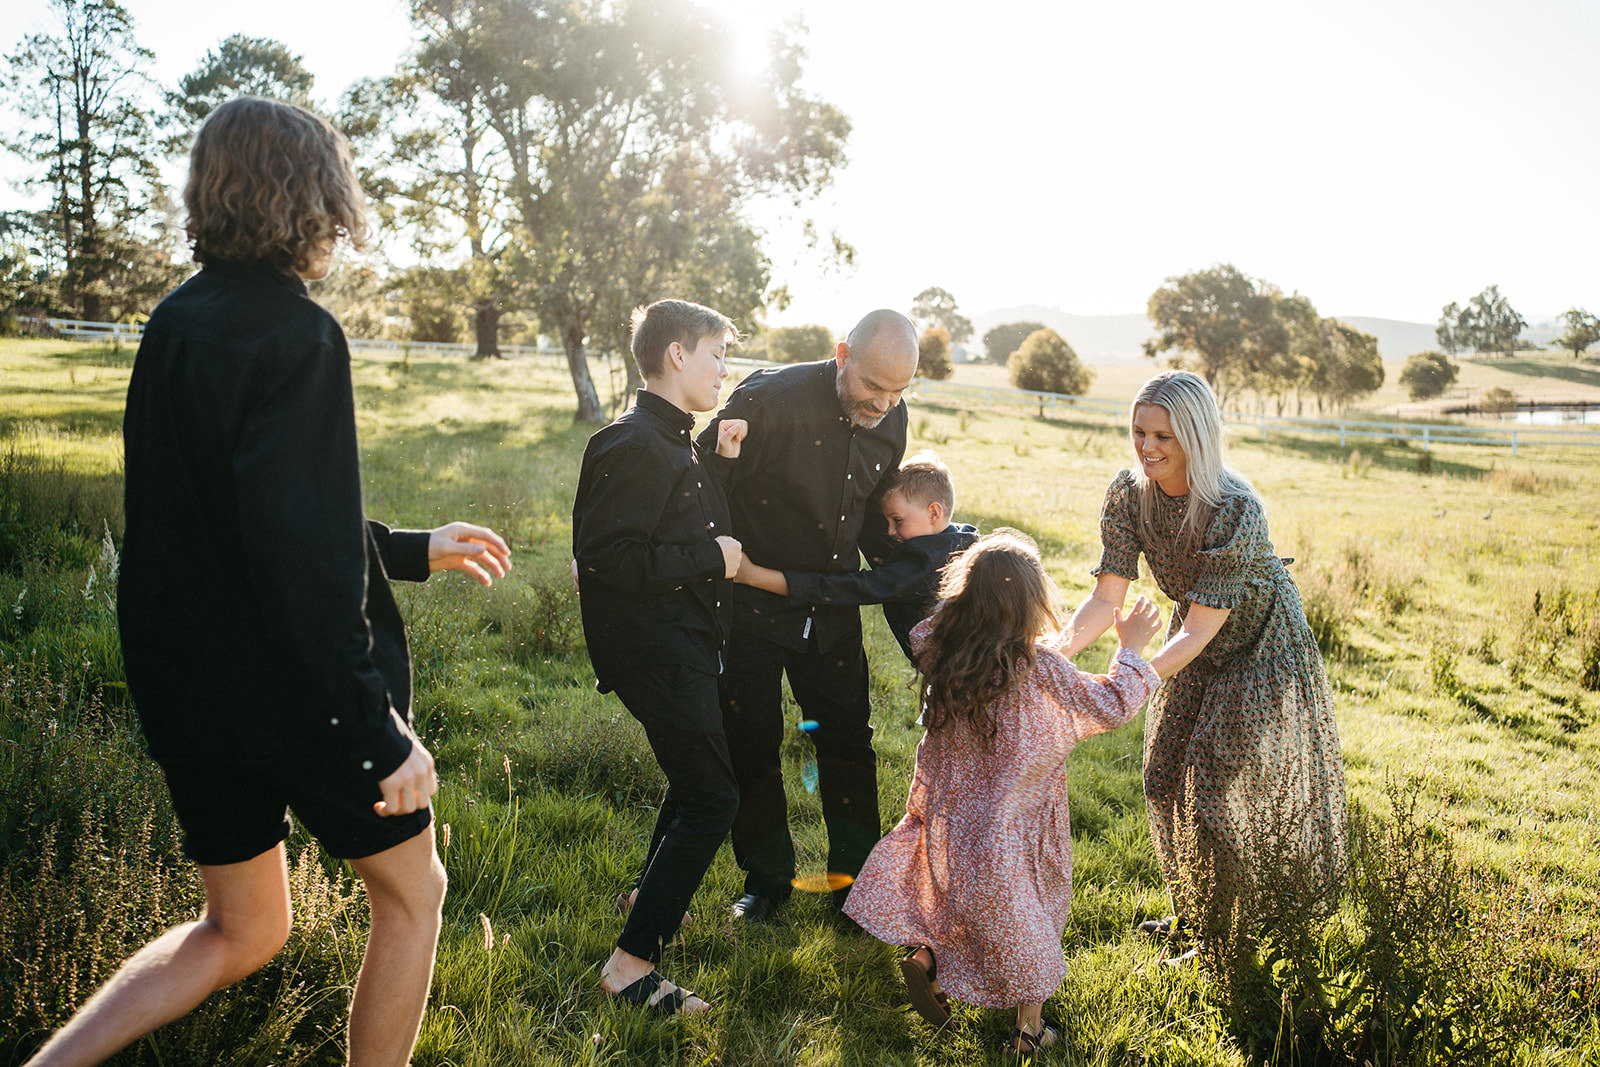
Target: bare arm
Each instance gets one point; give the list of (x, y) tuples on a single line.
[(1200, 625), (1095, 615), (761, 577)]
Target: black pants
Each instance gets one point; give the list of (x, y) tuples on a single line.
[(679, 711), (831, 688)]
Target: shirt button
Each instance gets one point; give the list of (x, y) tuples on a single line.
[(333, 722), (711, 526), (841, 518), (847, 477), (366, 765), (699, 485), (836, 555)]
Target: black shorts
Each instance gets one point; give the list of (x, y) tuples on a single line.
[(231, 812)]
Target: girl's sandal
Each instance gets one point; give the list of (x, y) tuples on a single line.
[(1021, 1043), (665, 1004), (931, 1003)]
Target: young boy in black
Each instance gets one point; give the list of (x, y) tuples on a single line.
[(917, 503), (654, 553)]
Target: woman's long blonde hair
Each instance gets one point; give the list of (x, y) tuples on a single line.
[(1197, 424), (997, 602), (271, 181)]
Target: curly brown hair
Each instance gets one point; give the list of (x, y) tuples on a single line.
[(272, 181), (997, 603)]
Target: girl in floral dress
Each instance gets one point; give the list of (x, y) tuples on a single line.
[(1242, 772), (979, 872)]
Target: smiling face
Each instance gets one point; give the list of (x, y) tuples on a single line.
[(1156, 446), (907, 519), (704, 367)]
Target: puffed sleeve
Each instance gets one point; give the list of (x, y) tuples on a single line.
[(1119, 529), (1236, 538)]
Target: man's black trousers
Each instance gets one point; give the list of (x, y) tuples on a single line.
[(831, 689)]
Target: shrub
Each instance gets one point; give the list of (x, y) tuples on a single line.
[(1497, 401), (1006, 338), (798, 344), (1428, 374), (1047, 364), (933, 354)]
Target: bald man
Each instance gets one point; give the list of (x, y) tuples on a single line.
[(823, 438)]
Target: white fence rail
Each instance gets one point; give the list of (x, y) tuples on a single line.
[(1049, 405)]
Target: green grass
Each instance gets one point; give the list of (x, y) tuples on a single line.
[(1423, 586)]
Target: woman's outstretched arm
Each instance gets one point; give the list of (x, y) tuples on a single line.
[(1095, 615), (1200, 625)]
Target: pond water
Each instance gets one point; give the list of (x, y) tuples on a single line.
[(1591, 417)]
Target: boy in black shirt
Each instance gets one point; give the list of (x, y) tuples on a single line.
[(653, 553), (917, 502)]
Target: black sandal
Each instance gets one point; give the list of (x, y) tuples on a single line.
[(1161, 927), (1021, 1043), (641, 991), (930, 1003)]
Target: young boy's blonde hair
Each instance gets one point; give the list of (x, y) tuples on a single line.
[(271, 181), (922, 479)]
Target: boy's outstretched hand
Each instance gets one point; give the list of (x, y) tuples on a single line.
[(473, 550), (730, 436), (1138, 625)]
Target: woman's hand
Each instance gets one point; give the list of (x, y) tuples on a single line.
[(473, 550), (1138, 625), (731, 555)]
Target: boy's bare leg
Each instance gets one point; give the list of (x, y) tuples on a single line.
[(245, 923), (405, 885)]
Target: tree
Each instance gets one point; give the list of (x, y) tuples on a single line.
[(1045, 363), (1497, 401), (238, 66), (94, 142), (1583, 330), (1487, 324), (631, 154), (1427, 375), (933, 354), (936, 307), (1351, 365), (1445, 332), (1006, 338), (799, 344), (1220, 317)]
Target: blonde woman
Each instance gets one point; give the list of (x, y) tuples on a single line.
[(1240, 741)]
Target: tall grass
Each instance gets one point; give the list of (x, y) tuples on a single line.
[(1456, 607)]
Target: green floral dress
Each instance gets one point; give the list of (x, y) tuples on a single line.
[(1240, 744)]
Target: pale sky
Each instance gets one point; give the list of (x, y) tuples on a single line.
[(1383, 157)]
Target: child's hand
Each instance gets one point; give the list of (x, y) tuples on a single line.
[(731, 554), (730, 435), (1138, 625)]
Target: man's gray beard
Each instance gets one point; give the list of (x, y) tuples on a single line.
[(852, 411)]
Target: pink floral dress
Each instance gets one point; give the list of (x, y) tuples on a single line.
[(980, 868)]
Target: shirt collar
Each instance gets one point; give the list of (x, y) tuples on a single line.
[(259, 269), (675, 417)]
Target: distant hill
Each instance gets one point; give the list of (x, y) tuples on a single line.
[(1119, 338)]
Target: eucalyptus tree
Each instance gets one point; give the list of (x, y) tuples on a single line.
[(238, 66), (633, 149), (1221, 318), (937, 307), (83, 97), (1583, 330)]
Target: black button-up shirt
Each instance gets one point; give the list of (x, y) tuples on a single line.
[(644, 528), (804, 494), (254, 610)]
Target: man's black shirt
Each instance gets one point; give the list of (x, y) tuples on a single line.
[(803, 494), (906, 584), (644, 526)]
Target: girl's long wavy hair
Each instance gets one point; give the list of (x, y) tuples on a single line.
[(997, 603), (271, 181), (1197, 424)]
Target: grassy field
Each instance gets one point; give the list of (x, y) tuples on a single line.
[(1456, 597)]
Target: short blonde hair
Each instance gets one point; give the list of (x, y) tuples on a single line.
[(921, 480), (271, 181)]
